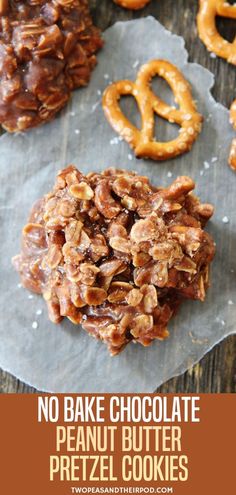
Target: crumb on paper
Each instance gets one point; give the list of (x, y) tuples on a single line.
[(130, 157), (230, 302), (114, 140), (95, 105), (195, 340), (209, 117), (219, 320), (206, 165), (214, 159), (77, 131), (225, 219), (135, 64), (39, 312), (30, 296), (169, 174), (35, 325)]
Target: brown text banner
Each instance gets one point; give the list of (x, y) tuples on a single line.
[(63, 444)]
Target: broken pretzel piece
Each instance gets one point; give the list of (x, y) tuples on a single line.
[(143, 141), (132, 4)]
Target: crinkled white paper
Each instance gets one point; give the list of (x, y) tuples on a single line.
[(64, 358)]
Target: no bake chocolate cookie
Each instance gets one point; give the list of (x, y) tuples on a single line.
[(115, 254), (47, 49)]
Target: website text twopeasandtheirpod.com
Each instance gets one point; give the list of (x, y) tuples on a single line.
[(121, 489)]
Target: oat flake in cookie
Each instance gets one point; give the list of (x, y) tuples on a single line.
[(115, 254), (47, 49)]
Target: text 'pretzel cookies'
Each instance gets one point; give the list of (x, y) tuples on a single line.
[(143, 141), (132, 4), (208, 33), (232, 155)]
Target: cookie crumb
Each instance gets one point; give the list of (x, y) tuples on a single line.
[(225, 219), (135, 64)]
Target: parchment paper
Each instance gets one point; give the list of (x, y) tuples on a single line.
[(64, 358)]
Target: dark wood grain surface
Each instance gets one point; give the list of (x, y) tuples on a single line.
[(216, 372)]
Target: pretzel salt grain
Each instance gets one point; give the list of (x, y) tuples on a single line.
[(132, 4), (208, 33), (143, 141), (232, 155)]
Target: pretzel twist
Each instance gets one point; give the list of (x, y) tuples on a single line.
[(208, 10), (232, 155), (143, 141), (132, 4)]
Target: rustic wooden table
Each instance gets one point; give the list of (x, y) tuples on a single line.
[(216, 372)]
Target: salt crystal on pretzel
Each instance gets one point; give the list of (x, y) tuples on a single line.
[(208, 32), (132, 4), (143, 141)]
